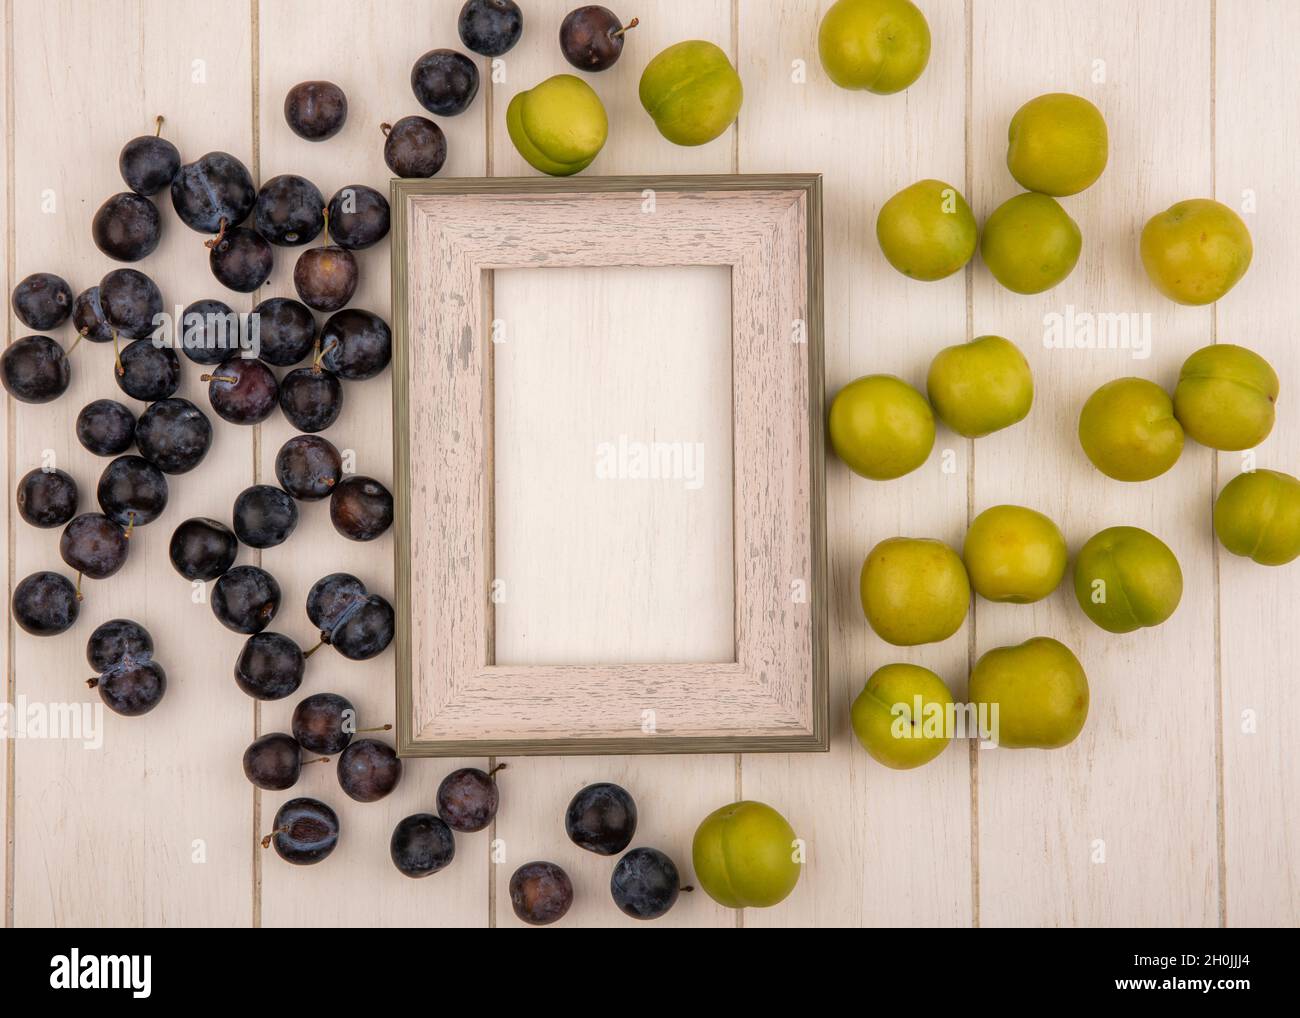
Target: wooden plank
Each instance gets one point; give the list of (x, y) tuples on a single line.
[(857, 817), (1254, 164), (673, 793), (358, 885), (9, 629), (1142, 778), (1119, 827), (159, 806)]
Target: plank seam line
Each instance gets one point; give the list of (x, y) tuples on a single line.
[(489, 170), (255, 88), (1220, 820), (735, 168), (972, 642), (11, 756)]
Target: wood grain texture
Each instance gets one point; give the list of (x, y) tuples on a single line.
[(360, 884), (9, 630), (1195, 108), (1253, 172), (1069, 837), (672, 793), (160, 804), (856, 817), (573, 456)]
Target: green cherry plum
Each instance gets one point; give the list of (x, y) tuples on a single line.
[(745, 856), (885, 719), (1257, 515), (980, 387), (1128, 430), (1030, 243), (1057, 144), (1225, 397), (1196, 251), (1014, 554), (927, 231), (881, 46), (1040, 692), (1126, 578), (881, 427), (914, 590)]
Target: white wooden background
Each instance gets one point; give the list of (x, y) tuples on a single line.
[(1196, 820)]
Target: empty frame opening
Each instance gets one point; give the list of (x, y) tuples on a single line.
[(612, 461)]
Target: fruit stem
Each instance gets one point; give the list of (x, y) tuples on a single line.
[(309, 653), (266, 842), (80, 335), (381, 728), (321, 354), (386, 128), (130, 524), (221, 235), (688, 887), (218, 378), (158, 122), (498, 767), (117, 357), (325, 233), (319, 759), (92, 683), (79, 585), (628, 27)]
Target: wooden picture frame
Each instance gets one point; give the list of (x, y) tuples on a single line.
[(448, 237)]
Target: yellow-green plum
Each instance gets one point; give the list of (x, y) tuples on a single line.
[(1057, 144), (1126, 578), (1129, 431), (745, 855), (1030, 243), (881, 427), (558, 126), (980, 387), (1014, 554), (887, 722), (1258, 515), (1225, 397), (881, 46), (1040, 692), (1196, 250), (914, 590), (691, 92), (927, 231)]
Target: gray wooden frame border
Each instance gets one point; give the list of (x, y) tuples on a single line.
[(815, 735)]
